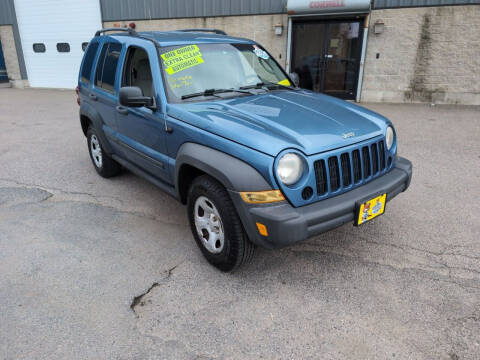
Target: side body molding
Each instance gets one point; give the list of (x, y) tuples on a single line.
[(233, 173)]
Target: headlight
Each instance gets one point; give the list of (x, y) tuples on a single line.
[(389, 137), (290, 168)]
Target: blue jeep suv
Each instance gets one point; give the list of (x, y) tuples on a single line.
[(214, 121)]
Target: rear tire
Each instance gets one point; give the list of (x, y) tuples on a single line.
[(215, 225), (103, 163)]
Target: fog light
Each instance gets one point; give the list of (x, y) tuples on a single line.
[(262, 229), (307, 193), (262, 197)]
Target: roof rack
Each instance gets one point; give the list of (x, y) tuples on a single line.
[(216, 31), (129, 30)]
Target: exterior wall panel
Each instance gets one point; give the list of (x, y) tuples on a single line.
[(8, 17), (10, 52), (260, 28), (7, 12), (115, 10), (389, 4), (427, 55)]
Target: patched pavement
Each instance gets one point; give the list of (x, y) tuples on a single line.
[(107, 269)]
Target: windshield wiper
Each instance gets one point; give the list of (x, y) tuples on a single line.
[(213, 92), (259, 85), (267, 86)]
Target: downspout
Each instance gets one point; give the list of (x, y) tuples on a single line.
[(289, 45), (362, 59)]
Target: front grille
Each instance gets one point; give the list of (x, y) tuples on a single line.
[(357, 166), (374, 158), (366, 162), (346, 173), (321, 177), (334, 173), (349, 168), (381, 147)]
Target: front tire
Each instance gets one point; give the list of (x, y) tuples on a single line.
[(215, 225), (103, 163)]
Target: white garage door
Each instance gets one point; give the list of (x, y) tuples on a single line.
[(52, 33)]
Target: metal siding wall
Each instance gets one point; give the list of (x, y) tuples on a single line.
[(7, 12), (388, 4), (8, 17), (113, 10)]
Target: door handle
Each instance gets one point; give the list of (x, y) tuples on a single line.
[(93, 97), (122, 110)]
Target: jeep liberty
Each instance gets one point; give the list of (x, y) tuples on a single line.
[(215, 122)]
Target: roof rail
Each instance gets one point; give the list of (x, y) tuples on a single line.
[(216, 31), (129, 30)]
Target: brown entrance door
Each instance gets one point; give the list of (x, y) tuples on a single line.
[(326, 55)]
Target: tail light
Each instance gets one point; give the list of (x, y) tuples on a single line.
[(77, 91)]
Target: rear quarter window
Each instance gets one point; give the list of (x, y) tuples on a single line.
[(88, 62), (107, 66)]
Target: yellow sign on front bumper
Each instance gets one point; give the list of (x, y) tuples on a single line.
[(371, 209)]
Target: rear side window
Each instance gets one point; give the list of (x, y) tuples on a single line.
[(107, 66), (88, 62)]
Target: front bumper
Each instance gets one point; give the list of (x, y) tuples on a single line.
[(287, 225)]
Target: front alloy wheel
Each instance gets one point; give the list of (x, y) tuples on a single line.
[(209, 225), (215, 225)]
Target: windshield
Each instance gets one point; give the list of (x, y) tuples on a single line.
[(199, 67)]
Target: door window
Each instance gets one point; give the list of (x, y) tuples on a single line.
[(107, 66), (326, 56), (307, 60), (137, 71), (342, 57), (88, 62)]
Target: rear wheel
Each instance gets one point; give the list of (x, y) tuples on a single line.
[(104, 164), (216, 226)]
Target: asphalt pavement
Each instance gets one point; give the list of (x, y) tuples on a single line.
[(94, 268)]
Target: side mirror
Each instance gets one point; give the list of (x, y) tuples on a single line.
[(295, 78), (132, 96)]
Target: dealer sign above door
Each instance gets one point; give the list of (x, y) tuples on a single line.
[(309, 7)]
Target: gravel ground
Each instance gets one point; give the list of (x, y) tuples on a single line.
[(107, 269)]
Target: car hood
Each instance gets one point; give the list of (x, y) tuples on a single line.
[(277, 120)]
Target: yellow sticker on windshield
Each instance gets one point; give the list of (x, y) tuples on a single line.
[(284, 82), (180, 82), (181, 59)]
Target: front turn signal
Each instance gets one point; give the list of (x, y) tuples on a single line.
[(262, 197)]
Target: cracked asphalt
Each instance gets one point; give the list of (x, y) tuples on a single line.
[(107, 269)]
